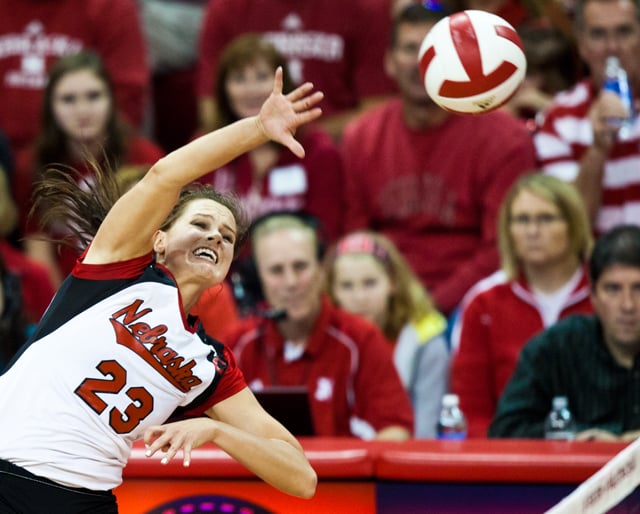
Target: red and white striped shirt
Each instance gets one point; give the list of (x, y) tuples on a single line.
[(566, 134)]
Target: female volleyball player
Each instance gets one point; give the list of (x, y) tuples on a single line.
[(115, 355)]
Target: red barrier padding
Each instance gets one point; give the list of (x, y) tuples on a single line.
[(331, 458), (494, 460)]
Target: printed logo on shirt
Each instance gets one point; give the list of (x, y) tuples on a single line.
[(150, 344), (33, 47), (288, 180), (324, 389), (298, 45)]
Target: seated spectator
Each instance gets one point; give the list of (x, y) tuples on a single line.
[(34, 287), (367, 275), (36, 33), (338, 46), (171, 29), (13, 331), (552, 66), (271, 178), (590, 359), (544, 240), (427, 179), (579, 139), (343, 359), (12, 314), (79, 124)]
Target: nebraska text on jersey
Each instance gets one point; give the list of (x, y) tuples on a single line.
[(136, 334)]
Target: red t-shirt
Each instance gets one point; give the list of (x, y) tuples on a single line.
[(337, 45), (314, 184), (37, 289), (435, 192), (497, 319), (347, 367), (35, 33)]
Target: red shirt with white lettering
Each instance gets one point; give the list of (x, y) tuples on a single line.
[(35, 33), (337, 45)]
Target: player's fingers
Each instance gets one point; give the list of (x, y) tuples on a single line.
[(170, 452), (300, 92), (306, 103), (150, 436), (277, 82), (151, 432), (310, 115), (186, 460), (293, 145)]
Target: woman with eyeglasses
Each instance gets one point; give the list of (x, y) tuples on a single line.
[(544, 239)]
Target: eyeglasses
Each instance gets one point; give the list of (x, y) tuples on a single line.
[(541, 220), (621, 35)]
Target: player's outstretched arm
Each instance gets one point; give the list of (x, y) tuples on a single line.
[(240, 426), (127, 230)]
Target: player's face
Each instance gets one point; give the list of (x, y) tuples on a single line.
[(616, 300), (248, 87), (362, 285), (401, 62), (199, 246), (290, 273), (81, 106), (539, 232), (611, 27)]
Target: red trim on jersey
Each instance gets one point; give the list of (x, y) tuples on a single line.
[(130, 268), (232, 382)]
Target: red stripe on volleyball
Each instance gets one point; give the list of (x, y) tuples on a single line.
[(426, 59), (510, 34), (466, 45), (465, 42)]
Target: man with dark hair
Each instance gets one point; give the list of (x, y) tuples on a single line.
[(429, 180), (591, 359)]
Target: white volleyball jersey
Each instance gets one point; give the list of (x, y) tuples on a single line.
[(112, 355)]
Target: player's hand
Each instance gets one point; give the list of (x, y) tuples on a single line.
[(281, 115), (181, 435)]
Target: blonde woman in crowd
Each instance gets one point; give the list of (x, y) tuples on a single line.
[(544, 240), (368, 276)]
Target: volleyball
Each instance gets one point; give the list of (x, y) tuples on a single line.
[(472, 62)]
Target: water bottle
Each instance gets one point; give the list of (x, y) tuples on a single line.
[(617, 82), (560, 424), (452, 425)]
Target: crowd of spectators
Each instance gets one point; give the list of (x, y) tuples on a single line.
[(460, 247)]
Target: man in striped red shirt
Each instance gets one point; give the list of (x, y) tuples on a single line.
[(578, 140)]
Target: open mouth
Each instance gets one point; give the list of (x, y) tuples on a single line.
[(206, 253)]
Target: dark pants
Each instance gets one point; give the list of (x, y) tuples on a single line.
[(22, 492)]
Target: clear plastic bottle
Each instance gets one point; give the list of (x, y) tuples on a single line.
[(617, 82), (560, 424), (452, 424)]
